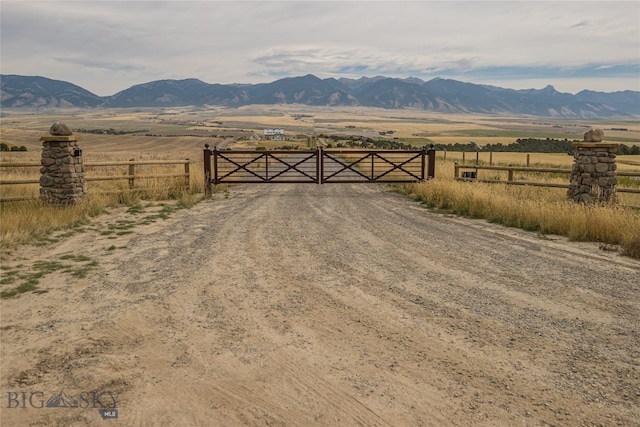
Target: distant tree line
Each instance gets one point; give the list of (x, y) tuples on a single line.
[(184, 134), (5, 147), (625, 149), (531, 145), (110, 131), (362, 142)]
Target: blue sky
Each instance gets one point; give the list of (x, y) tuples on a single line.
[(106, 47)]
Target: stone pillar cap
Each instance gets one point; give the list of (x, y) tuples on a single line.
[(595, 144), (59, 138)]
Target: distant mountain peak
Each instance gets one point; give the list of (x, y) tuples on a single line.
[(438, 95)]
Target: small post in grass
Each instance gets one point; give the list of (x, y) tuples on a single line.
[(132, 173), (431, 162), (207, 170)]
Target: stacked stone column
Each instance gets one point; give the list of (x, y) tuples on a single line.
[(63, 178), (593, 175)]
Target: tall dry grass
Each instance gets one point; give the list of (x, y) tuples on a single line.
[(540, 209), (25, 221)]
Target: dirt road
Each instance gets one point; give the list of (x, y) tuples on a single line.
[(337, 305)]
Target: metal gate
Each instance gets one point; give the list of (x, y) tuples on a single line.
[(317, 166)]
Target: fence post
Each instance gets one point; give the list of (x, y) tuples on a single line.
[(456, 173), (431, 154), (132, 173), (207, 170), (187, 178), (214, 173), (528, 157), (510, 178), (319, 165), (423, 160), (490, 158)]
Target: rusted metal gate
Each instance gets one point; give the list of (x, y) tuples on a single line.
[(317, 166)]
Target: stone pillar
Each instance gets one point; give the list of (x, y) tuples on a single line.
[(63, 180), (593, 175)]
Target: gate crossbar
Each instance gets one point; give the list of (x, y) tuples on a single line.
[(261, 175), (239, 167), (377, 178), (346, 166), (292, 167), (400, 167)]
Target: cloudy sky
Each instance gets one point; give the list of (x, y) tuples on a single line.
[(108, 46)]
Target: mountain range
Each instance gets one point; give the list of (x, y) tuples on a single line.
[(438, 95)]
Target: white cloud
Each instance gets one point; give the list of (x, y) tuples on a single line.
[(108, 46)]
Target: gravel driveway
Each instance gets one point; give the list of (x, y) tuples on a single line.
[(334, 305)]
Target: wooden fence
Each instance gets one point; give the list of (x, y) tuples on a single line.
[(472, 175), (131, 176), (476, 154)]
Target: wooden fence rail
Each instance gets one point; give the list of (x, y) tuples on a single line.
[(511, 181), (131, 176)]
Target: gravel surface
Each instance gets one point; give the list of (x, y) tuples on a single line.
[(334, 305)]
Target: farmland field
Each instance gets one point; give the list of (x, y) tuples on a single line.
[(414, 127)]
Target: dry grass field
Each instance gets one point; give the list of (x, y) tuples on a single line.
[(415, 127), (181, 133)]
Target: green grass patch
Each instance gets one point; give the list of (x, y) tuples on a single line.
[(77, 258), (28, 281), (152, 218), (135, 209), (67, 234), (27, 286), (82, 272), (123, 224), (8, 276), (44, 240)]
